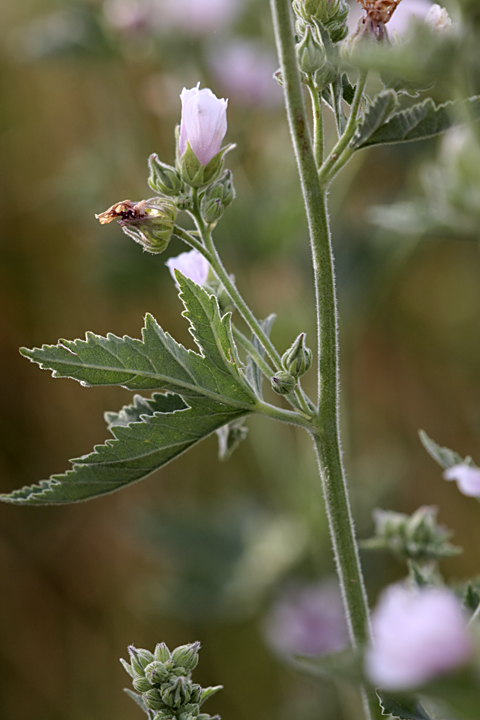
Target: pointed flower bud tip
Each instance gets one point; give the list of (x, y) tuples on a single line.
[(283, 383), (162, 653), (418, 635), (203, 124), (467, 477), (191, 264), (298, 358), (186, 656)]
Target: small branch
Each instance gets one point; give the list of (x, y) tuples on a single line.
[(191, 240), (244, 342), (317, 111), (325, 172)]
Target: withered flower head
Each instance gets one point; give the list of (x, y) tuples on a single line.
[(148, 222), (378, 13)]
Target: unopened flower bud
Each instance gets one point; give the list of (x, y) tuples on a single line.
[(282, 382), (212, 210), (223, 189), (298, 358), (156, 672), (177, 692), (153, 699), (163, 178), (186, 656), (310, 52), (148, 222), (162, 653), (332, 14), (141, 684), (139, 659)]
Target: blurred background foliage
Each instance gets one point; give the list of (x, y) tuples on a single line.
[(205, 550)]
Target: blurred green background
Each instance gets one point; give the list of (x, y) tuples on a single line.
[(202, 550)]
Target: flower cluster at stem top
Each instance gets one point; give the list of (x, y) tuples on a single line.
[(163, 680), (197, 183)]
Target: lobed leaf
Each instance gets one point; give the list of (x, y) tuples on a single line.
[(158, 362), (421, 121), (137, 450)]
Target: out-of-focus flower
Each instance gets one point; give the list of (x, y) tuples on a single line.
[(128, 15), (244, 70), (307, 620), (191, 264), (196, 17), (417, 636), (203, 124), (438, 18), (467, 477)]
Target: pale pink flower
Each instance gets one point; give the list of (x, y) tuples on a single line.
[(191, 264), (307, 620), (244, 70), (417, 635), (467, 477), (203, 124)]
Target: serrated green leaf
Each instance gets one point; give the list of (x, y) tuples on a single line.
[(136, 451), (158, 362), (422, 121), (443, 456), (376, 115), (402, 706), (141, 406), (348, 89)]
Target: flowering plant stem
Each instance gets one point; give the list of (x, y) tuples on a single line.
[(326, 434)]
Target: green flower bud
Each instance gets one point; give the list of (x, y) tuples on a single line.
[(332, 14), (223, 189), (153, 700), (298, 358), (195, 693), (141, 684), (163, 178), (162, 653), (212, 210), (139, 659), (283, 383), (148, 222), (157, 672), (310, 52), (177, 692), (186, 656)]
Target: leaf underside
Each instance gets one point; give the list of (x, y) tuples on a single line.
[(423, 120), (442, 455), (210, 391)]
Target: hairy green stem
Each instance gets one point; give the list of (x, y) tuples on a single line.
[(191, 240), (326, 436)]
